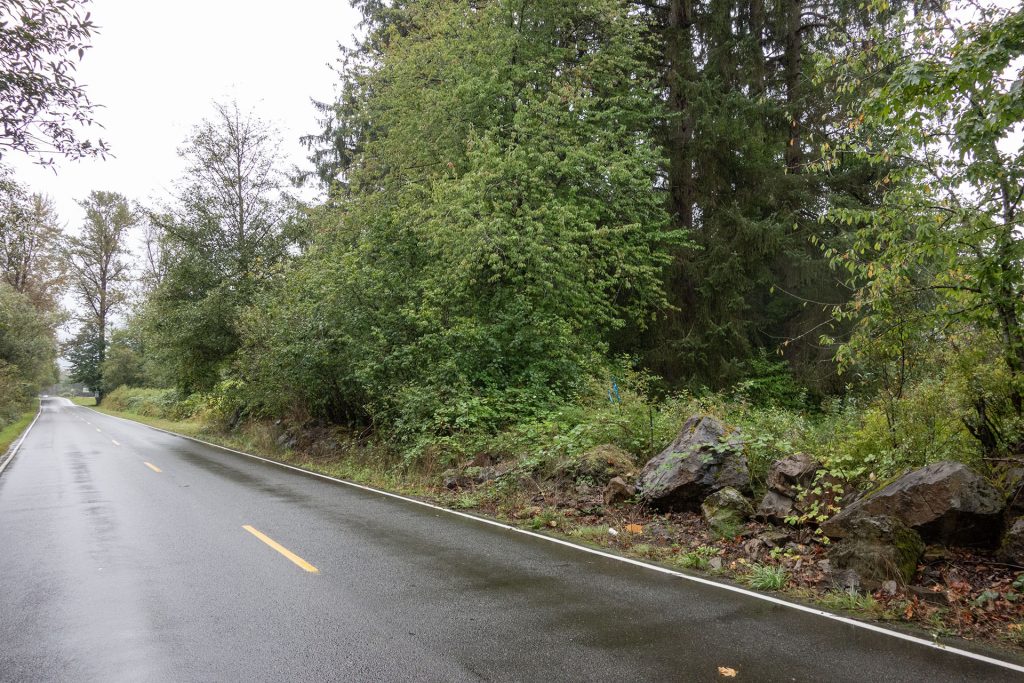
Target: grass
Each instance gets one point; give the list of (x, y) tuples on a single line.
[(765, 577), (11, 432), (847, 601), (591, 534), (89, 401)]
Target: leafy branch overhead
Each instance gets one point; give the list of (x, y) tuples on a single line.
[(42, 106)]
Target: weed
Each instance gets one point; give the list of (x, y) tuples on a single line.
[(849, 601), (466, 501), (592, 534), (765, 577), (547, 519), (698, 558), (646, 550)]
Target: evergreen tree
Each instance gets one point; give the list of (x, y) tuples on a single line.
[(97, 261)]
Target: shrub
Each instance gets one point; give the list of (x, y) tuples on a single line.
[(159, 403)]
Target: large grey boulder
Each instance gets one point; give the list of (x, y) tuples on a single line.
[(945, 503), (725, 511), (877, 549), (699, 462)]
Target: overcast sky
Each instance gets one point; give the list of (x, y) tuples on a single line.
[(156, 67)]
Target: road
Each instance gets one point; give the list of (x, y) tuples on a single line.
[(129, 554)]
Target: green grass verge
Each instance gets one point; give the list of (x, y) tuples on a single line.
[(341, 468), (84, 400), (12, 431)]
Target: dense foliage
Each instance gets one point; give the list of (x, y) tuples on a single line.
[(548, 226), (500, 224), (31, 271)]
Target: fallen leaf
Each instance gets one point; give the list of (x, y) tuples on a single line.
[(727, 672), (634, 528)]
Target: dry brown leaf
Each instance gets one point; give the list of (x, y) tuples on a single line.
[(634, 528), (727, 672)]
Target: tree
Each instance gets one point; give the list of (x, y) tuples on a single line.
[(498, 226), (99, 268), (745, 116), (84, 354), (939, 265), (27, 351), (221, 240), (30, 244), (124, 364), (41, 104), (741, 121)]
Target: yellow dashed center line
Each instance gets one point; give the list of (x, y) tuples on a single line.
[(281, 549), (152, 467)]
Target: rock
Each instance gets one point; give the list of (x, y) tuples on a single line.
[(890, 587), (878, 549), (774, 508), (1012, 475), (753, 547), (603, 463), (847, 580), (935, 553), (945, 503), (455, 479), (695, 465), (792, 474), (1012, 548), (715, 564), (618, 491), (774, 538), (473, 475), (725, 511), (482, 475), (935, 597)]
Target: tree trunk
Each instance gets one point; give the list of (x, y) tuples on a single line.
[(792, 71), (681, 74)]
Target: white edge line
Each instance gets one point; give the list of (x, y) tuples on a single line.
[(637, 563), (21, 439)]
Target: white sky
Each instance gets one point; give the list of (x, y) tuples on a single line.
[(156, 67)]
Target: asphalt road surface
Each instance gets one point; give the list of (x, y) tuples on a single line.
[(128, 554)]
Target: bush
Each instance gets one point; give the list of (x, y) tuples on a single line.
[(158, 403)]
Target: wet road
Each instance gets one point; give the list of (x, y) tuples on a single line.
[(127, 554)]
